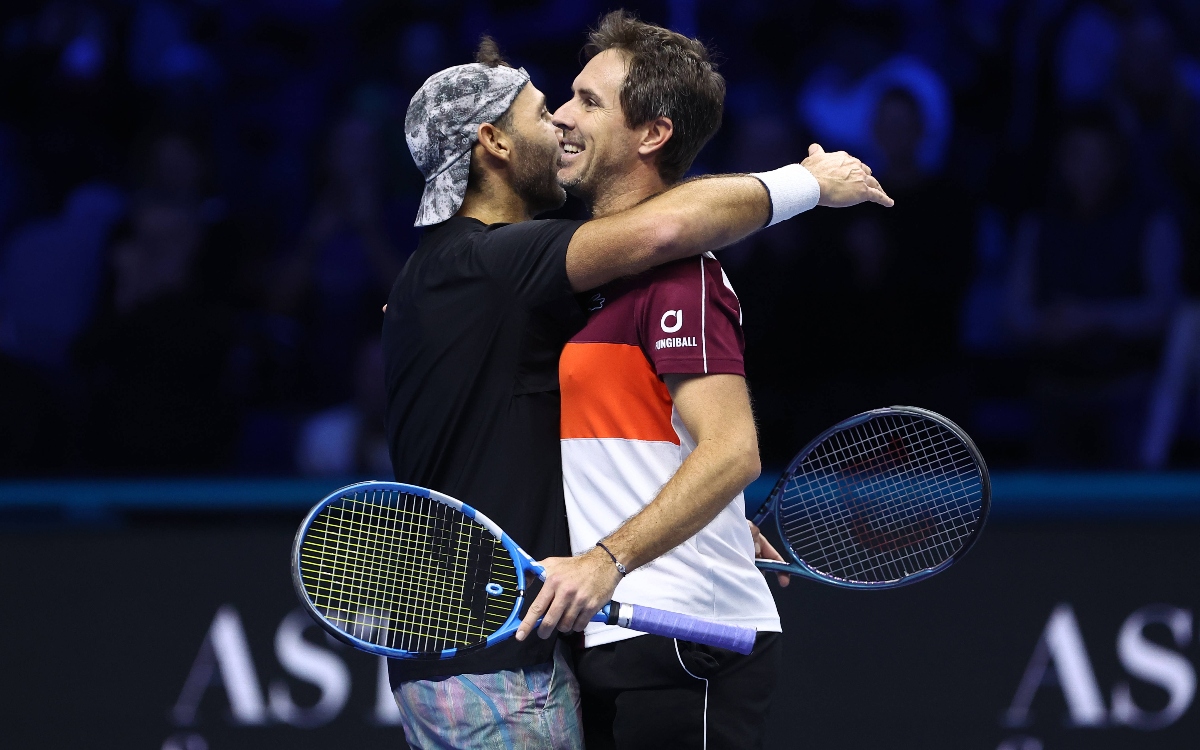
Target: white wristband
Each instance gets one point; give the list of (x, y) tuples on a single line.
[(793, 191)]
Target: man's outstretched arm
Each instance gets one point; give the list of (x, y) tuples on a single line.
[(708, 214), (716, 411)]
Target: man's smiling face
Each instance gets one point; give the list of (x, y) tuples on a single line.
[(598, 146)]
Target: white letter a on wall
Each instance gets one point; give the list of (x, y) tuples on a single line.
[(1062, 644), (224, 650)]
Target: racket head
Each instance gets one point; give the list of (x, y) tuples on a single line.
[(883, 499), (407, 572)]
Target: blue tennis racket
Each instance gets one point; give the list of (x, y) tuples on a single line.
[(410, 573), (883, 499)]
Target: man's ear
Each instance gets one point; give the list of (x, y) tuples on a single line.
[(495, 142), (657, 132)]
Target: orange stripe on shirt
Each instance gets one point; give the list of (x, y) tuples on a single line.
[(611, 391)]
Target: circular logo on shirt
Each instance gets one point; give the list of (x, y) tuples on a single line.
[(677, 315)]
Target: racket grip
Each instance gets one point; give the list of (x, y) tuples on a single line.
[(695, 629)]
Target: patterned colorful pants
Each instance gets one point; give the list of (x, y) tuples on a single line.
[(535, 708)]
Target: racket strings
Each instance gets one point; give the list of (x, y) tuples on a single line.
[(407, 572), (882, 500), (890, 532), (889, 537)]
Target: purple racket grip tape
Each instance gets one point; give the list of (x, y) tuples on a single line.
[(695, 629)]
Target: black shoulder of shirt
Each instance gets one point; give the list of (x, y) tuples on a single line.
[(533, 229), (470, 223), (528, 258), (530, 240)]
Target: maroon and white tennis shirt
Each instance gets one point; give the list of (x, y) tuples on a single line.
[(622, 439)]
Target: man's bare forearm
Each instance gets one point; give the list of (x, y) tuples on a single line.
[(716, 411), (689, 219), (711, 213), (706, 481)]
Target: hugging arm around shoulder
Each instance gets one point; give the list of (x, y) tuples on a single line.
[(689, 219)]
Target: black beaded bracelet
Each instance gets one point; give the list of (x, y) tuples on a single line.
[(620, 567)]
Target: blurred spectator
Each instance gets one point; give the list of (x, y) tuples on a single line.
[(870, 310), (1095, 275), (281, 74), (1120, 54), (843, 114), (339, 275), (156, 359), (349, 439), (162, 53), (1156, 108), (50, 275), (1086, 58), (170, 164), (175, 165), (62, 88)]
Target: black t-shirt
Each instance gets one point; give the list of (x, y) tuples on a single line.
[(474, 326)]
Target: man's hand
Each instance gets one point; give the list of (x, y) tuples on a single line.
[(764, 550), (575, 590), (844, 180)]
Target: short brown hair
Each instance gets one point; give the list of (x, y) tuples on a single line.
[(667, 75)]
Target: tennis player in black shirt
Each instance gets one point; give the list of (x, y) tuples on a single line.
[(472, 333)]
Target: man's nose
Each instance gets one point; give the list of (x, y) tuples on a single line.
[(562, 117)]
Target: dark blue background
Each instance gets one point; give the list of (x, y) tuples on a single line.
[(204, 202)]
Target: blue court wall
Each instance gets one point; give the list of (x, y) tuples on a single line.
[(1017, 496)]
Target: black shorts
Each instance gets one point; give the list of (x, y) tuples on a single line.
[(655, 692)]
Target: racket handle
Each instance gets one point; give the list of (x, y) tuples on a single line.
[(779, 567), (688, 628)]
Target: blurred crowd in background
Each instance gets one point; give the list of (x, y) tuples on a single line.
[(203, 204)]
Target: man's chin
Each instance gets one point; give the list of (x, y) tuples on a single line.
[(569, 184), (568, 173)]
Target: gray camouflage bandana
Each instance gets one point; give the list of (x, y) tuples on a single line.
[(443, 123)]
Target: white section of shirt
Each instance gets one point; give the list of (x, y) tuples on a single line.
[(711, 575)]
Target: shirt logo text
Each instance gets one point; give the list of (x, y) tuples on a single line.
[(673, 343)]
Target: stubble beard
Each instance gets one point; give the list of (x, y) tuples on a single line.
[(577, 187), (591, 184), (535, 178)]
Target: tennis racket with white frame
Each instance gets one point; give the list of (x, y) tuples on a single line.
[(884, 499), (409, 573)]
